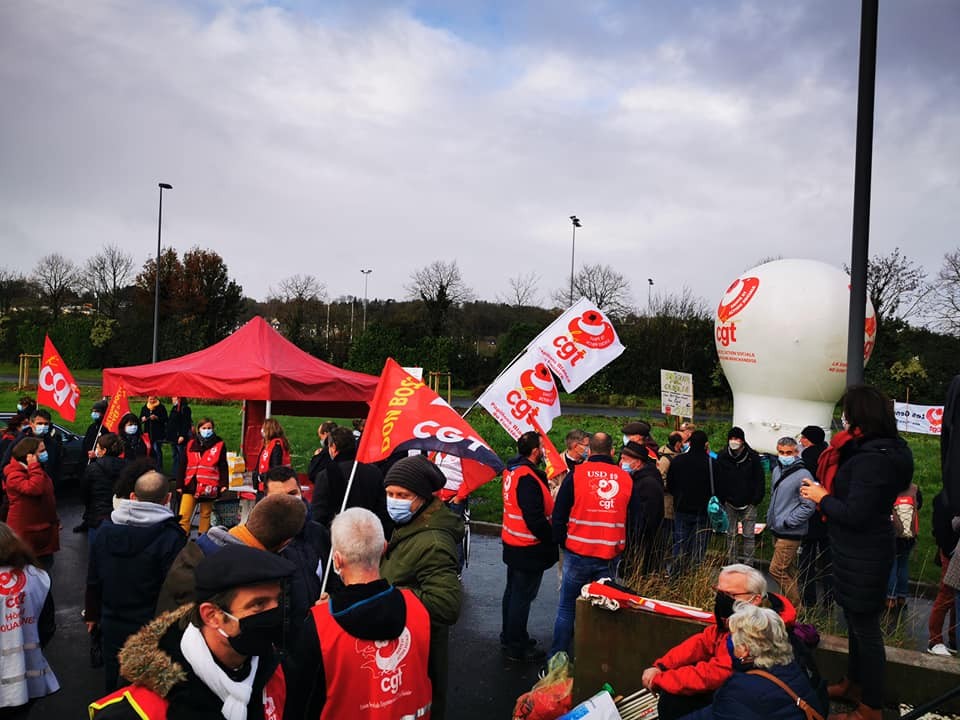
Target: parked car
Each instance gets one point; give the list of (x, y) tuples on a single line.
[(74, 460)]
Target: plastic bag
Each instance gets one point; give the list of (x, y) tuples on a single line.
[(552, 696), (718, 516)]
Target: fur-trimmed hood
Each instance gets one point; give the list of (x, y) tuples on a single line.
[(142, 662)]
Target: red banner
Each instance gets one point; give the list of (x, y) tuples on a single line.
[(56, 388), (118, 407), (556, 465), (407, 415)]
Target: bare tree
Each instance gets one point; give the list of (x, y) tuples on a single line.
[(683, 306), (440, 286), (13, 287), (602, 285), (945, 303), (894, 282), (105, 276), (297, 299), (523, 290), (57, 279)]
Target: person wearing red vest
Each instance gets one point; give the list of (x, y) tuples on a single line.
[(362, 653), (593, 508), (528, 546), (275, 452), (214, 657), (203, 475)]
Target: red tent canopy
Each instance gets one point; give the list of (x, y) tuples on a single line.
[(254, 363)]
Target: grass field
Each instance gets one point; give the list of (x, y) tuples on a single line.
[(486, 502)]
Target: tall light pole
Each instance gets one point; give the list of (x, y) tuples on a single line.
[(156, 279), (573, 251), (649, 290), (366, 276)]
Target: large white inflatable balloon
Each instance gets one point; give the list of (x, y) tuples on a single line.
[(781, 334)]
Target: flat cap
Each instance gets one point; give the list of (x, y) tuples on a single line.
[(237, 566), (635, 450), (417, 474), (638, 427)]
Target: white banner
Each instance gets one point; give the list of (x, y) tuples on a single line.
[(676, 393), (524, 394), (578, 344), (925, 419)]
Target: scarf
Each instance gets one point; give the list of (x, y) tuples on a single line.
[(829, 461), (234, 693), (152, 405), (246, 537)]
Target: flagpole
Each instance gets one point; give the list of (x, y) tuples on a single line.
[(343, 506), (500, 375)]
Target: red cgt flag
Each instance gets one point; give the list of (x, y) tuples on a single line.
[(118, 407), (56, 388), (407, 415)]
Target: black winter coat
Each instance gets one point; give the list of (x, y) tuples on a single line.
[(98, 484), (943, 531), (544, 554), (367, 491), (307, 551), (872, 473), (740, 481), (179, 422), (688, 480)]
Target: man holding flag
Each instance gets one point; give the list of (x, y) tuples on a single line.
[(528, 546), (593, 509)]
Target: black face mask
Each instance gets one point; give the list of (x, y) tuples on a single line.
[(258, 633), (722, 609)]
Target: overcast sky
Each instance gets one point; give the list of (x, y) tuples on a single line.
[(691, 138)]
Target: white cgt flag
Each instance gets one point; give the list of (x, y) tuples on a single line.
[(577, 344), (524, 397)]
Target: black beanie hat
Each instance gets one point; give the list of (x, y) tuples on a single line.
[(814, 434), (417, 474), (736, 432)]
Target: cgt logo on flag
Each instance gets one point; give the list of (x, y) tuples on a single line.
[(56, 387)]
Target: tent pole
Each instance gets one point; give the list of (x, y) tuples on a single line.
[(243, 427), (343, 506), (269, 405)]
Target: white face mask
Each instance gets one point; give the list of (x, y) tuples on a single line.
[(735, 445)]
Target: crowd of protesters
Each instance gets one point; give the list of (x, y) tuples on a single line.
[(302, 610)]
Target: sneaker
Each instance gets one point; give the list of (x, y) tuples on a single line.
[(526, 655), (941, 649)]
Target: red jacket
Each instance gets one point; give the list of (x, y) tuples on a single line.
[(702, 663), (33, 507)]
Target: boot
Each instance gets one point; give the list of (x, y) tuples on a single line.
[(844, 689), (860, 712)]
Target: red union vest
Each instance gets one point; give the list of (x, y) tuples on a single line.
[(204, 466), (515, 531), (598, 520), (376, 680), (263, 464), (150, 706)]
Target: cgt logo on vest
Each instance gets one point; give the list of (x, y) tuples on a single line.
[(606, 487), (384, 657), (12, 583), (738, 295)]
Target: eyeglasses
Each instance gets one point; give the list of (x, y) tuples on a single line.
[(733, 596)]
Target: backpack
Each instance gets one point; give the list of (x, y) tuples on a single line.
[(804, 640), (906, 518)]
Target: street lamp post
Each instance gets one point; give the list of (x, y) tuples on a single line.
[(573, 251), (156, 279), (366, 277), (649, 290)]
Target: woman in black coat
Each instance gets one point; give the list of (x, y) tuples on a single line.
[(866, 466), (133, 445), (99, 481), (179, 430)]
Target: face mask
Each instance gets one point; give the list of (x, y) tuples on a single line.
[(130, 429), (19, 407), (843, 422), (625, 439), (94, 416), (788, 460), (258, 633), (735, 445), (40, 429), (722, 609), (586, 452), (738, 662), (206, 433), (685, 448), (43, 457), (626, 466), (399, 510)]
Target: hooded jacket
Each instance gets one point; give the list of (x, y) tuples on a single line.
[(871, 474), (740, 481), (152, 660), (33, 507), (702, 663), (131, 555)]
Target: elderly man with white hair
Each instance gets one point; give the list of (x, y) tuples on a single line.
[(688, 674), (767, 682), (363, 651)]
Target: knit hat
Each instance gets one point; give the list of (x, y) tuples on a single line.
[(736, 432), (100, 406), (814, 434), (417, 474), (638, 427), (237, 566)]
